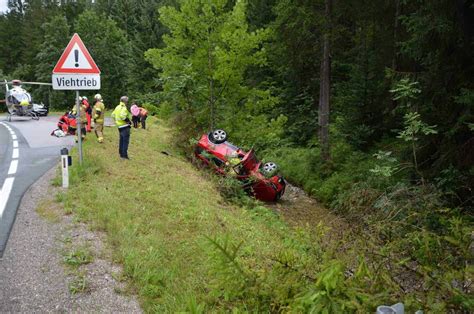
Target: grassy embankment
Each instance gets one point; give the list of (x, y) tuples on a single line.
[(184, 248)]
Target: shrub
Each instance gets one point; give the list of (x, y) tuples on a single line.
[(152, 109)]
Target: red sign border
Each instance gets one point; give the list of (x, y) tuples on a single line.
[(58, 69)]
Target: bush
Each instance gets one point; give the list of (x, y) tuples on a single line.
[(152, 109)]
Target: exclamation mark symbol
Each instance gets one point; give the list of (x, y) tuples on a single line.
[(76, 57)]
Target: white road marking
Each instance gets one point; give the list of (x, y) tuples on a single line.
[(13, 167), (8, 184), (5, 193), (16, 153)]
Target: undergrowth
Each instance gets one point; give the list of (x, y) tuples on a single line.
[(185, 247), (425, 243)]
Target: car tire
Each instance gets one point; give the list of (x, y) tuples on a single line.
[(218, 136), (269, 168)]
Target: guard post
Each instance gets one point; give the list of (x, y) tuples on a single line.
[(66, 161)]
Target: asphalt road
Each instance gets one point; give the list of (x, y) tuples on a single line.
[(27, 151)]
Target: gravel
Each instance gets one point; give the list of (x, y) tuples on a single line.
[(34, 277)]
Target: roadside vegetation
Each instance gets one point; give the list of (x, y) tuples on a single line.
[(367, 105), (188, 244)]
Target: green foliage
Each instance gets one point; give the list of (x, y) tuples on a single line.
[(203, 69), (152, 109), (110, 49), (405, 90), (389, 165), (415, 127), (78, 257), (56, 34)]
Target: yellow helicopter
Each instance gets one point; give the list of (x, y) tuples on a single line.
[(19, 102)]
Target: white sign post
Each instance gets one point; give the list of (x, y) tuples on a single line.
[(76, 70)]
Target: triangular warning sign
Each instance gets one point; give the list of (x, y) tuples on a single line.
[(76, 59)]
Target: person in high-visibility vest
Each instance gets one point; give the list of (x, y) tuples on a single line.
[(122, 118), (98, 116), (82, 117)]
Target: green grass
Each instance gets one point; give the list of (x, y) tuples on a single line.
[(78, 284), (158, 212), (183, 247), (78, 257)]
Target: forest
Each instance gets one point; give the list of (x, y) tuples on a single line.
[(367, 105)]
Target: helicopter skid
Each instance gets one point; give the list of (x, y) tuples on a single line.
[(32, 115)]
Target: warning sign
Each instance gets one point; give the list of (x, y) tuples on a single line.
[(76, 70)]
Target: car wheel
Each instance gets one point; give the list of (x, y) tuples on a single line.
[(270, 168), (218, 136)]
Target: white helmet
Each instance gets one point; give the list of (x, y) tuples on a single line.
[(80, 98), (84, 97), (98, 97)]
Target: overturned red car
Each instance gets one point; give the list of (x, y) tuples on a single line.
[(227, 159)]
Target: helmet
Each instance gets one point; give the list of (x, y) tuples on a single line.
[(80, 98), (124, 98), (98, 97), (24, 102), (84, 97)]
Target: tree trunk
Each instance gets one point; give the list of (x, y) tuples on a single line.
[(325, 87), (395, 35), (211, 88)]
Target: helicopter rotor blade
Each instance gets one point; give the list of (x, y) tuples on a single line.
[(36, 83)]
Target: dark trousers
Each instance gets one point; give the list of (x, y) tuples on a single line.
[(143, 120), (135, 120), (124, 141)]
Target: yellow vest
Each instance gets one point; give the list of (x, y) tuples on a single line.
[(120, 114)]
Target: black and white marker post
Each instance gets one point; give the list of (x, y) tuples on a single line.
[(65, 160), (76, 70)]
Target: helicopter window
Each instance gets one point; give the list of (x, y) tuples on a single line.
[(22, 97), (13, 100)]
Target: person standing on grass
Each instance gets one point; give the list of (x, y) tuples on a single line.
[(135, 114), (143, 115), (86, 104), (122, 117), (82, 116), (98, 115)]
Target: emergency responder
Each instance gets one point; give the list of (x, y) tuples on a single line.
[(85, 101), (143, 115), (82, 117), (98, 115), (122, 117)]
